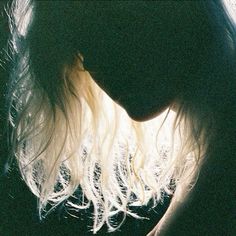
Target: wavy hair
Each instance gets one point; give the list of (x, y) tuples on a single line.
[(67, 134)]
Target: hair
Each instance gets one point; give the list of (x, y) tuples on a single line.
[(67, 134)]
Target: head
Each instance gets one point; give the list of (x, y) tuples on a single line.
[(147, 56)]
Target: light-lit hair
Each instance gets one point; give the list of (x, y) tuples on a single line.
[(70, 135)]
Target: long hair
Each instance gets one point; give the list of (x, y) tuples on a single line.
[(67, 134)]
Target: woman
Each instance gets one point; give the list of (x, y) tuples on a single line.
[(148, 57)]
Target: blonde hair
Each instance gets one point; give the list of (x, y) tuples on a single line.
[(85, 140)]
